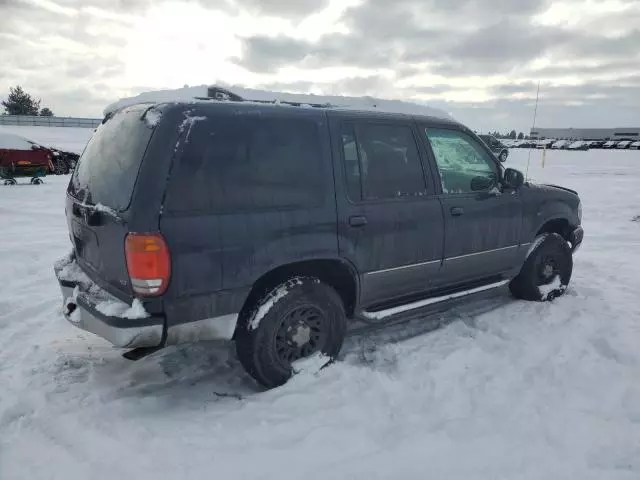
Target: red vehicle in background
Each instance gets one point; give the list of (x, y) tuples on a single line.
[(20, 157)]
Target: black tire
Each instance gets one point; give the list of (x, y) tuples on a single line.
[(503, 156), (296, 319), (550, 259)]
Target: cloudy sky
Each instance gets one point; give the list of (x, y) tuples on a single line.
[(480, 60)]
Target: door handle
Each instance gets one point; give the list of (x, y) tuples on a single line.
[(457, 211), (358, 221)]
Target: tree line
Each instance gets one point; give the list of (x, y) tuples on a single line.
[(19, 102), (512, 134)]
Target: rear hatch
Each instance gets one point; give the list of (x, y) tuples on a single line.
[(99, 195)]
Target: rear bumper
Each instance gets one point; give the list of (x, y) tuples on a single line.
[(80, 299), (81, 307), (575, 238)]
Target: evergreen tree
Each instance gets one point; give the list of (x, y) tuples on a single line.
[(513, 134), (20, 102), (46, 112), (520, 136)]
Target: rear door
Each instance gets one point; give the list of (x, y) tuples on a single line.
[(483, 222), (99, 195), (390, 223)]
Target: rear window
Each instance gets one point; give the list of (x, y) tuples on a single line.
[(108, 168), (248, 164)]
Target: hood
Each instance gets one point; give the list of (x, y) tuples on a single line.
[(558, 187)]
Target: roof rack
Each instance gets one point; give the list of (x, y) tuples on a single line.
[(222, 94)]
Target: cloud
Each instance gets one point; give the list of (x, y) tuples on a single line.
[(281, 8), (478, 59)]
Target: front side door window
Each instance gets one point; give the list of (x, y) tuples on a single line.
[(464, 166)]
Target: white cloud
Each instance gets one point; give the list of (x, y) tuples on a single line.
[(474, 54)]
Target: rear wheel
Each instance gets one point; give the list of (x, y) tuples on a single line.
[(546, 271), (10, 181), (298, 318)]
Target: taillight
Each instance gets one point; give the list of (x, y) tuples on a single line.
[(148, 263)]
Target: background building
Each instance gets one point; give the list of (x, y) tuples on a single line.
[(627, 133)]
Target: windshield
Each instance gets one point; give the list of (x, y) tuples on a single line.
[(108, 169)]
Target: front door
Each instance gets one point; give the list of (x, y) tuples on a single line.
[(390, 222), (483, 221)]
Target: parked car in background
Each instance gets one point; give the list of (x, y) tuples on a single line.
[(20, 157), (596, 143), (560, 144), (545, 143), (186, 224), (635, 146), (496, 146), (62, 162), (624, 144), (610, 144), (579, 145)]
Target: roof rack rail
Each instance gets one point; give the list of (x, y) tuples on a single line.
[(222, 94), (219, 93)]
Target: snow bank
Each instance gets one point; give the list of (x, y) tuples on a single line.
[(360, 103)]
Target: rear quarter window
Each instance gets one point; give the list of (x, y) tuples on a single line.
[(247, 164)]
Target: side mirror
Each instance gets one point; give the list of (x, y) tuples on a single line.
[(479, 184), (513, 178)]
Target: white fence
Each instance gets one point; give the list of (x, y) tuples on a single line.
[(28, 120)]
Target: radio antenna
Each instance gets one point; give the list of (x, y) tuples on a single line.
[(535, 115)]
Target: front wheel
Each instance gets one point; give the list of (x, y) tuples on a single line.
[(546, 271), (295, 320)]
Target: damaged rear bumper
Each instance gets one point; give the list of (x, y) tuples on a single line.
[(80, 298)]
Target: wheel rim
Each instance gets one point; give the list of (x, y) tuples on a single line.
[(547, 268), (302, 332)]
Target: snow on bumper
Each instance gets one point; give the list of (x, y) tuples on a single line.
[(87, 306)]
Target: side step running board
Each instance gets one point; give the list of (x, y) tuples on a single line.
[(382, 314)]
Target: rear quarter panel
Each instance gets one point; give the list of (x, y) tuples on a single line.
[(217, 257)]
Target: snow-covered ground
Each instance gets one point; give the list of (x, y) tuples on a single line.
[(506, 390)]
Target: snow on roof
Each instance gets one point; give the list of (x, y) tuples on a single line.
[(9, 141), (361, 103)]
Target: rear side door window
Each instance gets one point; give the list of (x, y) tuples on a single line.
[(464, 166), (381, 162), (248, 164)]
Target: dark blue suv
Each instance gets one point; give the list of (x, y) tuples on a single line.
[(279, 227)]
